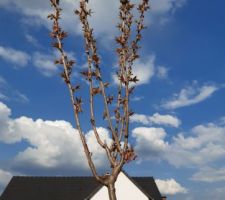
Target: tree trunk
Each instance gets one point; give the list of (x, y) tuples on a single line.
[(112, 191)]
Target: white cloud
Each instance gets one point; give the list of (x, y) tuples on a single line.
[(139, 118), (209, 175), (162, 72), (99, 155), (52, 144), (158, 119), (165, 120), (150, 142), (16, 57), (143, 70), (45, 63), (137, 98), (204, 146), (190, 95), (202, 134), (38, 10), (31, 39), (170, 187), (164, 6), (5, 112)]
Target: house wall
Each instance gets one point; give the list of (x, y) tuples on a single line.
[(125, 189)]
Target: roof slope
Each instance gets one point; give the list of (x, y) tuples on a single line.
[(64, 188), (49, 188), (149, 186)]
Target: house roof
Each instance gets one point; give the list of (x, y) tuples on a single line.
[(65, 188), (148, 185)]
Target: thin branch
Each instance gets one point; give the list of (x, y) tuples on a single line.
[(88, 35), (57, 35)]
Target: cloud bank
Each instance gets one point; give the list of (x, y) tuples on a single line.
[(51, 144), (204, 146)]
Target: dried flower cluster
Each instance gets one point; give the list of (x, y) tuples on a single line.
[(119, 152)]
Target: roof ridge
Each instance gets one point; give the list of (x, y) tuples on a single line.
[(70, 177)]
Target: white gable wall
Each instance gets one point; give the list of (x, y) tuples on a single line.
[(125, 189)]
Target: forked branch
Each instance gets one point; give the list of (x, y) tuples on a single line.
[(120, 151)]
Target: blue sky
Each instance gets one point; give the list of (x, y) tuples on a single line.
[(179, 127)]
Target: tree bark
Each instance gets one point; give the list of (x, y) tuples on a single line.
[(112, 191)]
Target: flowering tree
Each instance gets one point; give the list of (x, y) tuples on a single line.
[(119, 152)]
